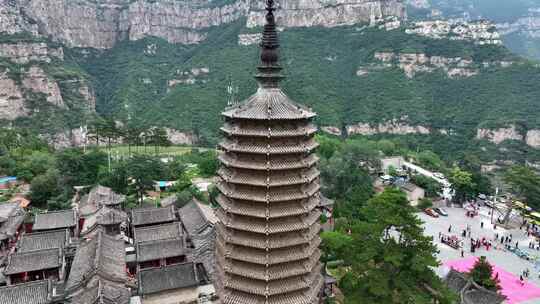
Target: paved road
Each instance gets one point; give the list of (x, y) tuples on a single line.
[(506, 260)]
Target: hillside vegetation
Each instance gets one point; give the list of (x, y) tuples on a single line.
[(320, 65)]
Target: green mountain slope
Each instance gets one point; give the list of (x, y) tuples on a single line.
[(320, 65)]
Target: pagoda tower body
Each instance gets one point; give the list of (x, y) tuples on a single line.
[(268, 235)]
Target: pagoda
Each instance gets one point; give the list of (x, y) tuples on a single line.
[(268, 231)]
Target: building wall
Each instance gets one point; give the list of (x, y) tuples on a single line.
[(415, 195), (179, 296), (396, 162)]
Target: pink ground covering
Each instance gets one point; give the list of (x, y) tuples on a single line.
[(510, 284)]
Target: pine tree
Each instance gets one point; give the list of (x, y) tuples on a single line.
[(482, 274)]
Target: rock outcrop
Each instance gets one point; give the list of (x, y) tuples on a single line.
[(23, 53), (180, 138), (36, 80), (249, 39), (530, 137), (189, 77), (480, 32), (414, 63), (398, 127), (533, 138), (101, 24), (11, 98), (294, 13), (499, 135)]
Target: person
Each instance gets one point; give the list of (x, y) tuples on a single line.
[(462, 253), (517, 243), (521, 280), (481, 224), (449, 228)]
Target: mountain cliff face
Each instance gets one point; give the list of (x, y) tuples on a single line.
[(101, 24), (517, 21)]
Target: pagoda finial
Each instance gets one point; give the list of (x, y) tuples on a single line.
[(269, 43), (269, 70)]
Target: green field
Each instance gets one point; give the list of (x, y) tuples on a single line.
[(124, 150)]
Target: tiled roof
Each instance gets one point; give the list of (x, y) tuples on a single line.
[(147, 216), (264, 162), (269, 104), (37, 292), (276, 130), (100, 291), (55, 220), (195, 216), (43, 240), (33, 260), (171, 277), (11, 218), (263, 147), (104, 216), (160, 249), (103, 256), (7, 210), (158, 232), (168, 201), (97, 197)]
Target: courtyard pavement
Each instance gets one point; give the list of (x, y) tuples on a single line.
[(502, 259)]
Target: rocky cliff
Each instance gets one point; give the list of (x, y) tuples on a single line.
[(102, 23), (396, 127), (511, 132)]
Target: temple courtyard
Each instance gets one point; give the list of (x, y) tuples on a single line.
[(506, 263)]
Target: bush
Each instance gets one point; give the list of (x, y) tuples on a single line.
[(425, 203)]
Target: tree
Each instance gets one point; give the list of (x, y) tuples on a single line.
[(143, 170), (430, 160), (328, 145), (45, 187), (390, 258), (482, 274), (334, 244), (77, 168), (159, 138), (345, 181), (432, 187), (525, 184), (208, 163), (461, 183)]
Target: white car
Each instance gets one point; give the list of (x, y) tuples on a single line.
[(438, 175)]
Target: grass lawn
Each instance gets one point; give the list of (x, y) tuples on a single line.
[(123, 150)]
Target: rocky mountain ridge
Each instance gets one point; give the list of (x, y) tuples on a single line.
[(101, 24)]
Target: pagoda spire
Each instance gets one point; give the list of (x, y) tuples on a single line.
[(269, 69)]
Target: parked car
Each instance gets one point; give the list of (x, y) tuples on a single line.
[(441, 211), (438, 175), (431, 212)]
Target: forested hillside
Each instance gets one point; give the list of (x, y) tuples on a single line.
[(323, 67)]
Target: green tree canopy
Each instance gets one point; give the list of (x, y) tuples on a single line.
[(525, 183), (390, 258)]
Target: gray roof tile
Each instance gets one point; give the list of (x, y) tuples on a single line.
[(154, 280), (37, 292), (147, 216), (158, 232), (33, 260), (43, 240), (103, 255), (55, 220), (160, 249)]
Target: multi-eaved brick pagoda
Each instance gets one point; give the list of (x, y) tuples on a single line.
[(267, 239)]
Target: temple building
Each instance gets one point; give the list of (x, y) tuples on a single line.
[(267, 234)]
